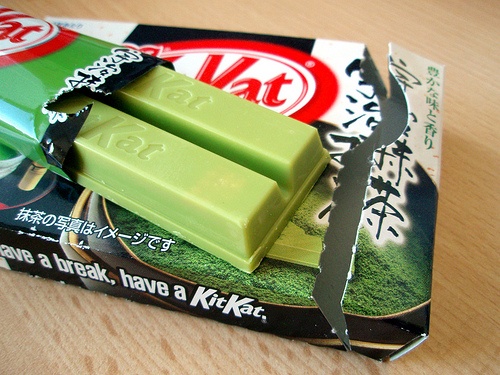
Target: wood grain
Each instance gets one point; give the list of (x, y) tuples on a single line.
[(49, 328)]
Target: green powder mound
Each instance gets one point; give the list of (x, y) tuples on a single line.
[(274, 281), (390, 279)]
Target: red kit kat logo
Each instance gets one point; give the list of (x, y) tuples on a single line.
[(283, 79), (24, 38)]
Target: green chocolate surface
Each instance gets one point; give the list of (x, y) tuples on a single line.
[(232, 199), (273, 145)]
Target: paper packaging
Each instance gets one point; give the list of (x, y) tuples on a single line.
[(375, 280)]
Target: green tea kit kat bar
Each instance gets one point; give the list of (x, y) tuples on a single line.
[(278, 147), (221, 206)]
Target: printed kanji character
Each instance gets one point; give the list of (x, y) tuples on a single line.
[(401, 150), (75, 225), (385, 190), (36, 217), (23, 214), (403, 74), (62, 222), (433, 72), (82, 78)]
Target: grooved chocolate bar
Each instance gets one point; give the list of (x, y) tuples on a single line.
[(280, 148), (222, 173)]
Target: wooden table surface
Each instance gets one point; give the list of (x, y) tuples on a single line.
[(50, 328)]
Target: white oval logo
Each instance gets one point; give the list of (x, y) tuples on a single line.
[(19, 32)]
